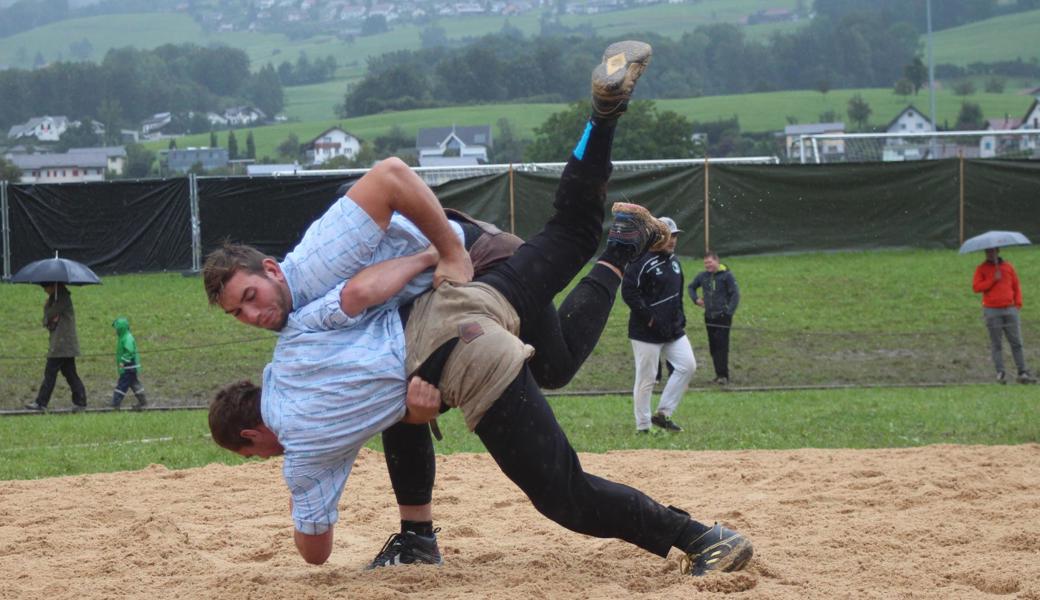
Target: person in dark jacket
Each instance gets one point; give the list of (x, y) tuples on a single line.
[(721, 296), (653, 290), (60, 320)]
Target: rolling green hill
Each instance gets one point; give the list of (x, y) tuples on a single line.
[(757, 112), (1001, 38), (154, 29)]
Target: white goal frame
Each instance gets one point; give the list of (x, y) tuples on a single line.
[(929, 145)]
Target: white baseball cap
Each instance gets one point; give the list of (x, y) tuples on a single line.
[(672, 227)]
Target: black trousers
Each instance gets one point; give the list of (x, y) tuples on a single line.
[(562, 338), (67, 366), (718, 342), (520, 430)]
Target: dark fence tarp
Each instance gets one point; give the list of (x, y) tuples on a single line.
[(1002, 194), (787, 208), (113, 227), (485, 197), (270, 214), (124, 226), (668, 192)]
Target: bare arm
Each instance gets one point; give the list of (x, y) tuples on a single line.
[(391, 186), (377, 283)]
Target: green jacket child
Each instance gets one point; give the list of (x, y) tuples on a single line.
[(129, 365)]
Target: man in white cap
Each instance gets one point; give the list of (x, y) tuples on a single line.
[(653, 290)]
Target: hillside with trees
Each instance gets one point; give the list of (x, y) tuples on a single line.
[(130, 85)]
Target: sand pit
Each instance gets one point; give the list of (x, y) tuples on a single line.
[(934, 522)]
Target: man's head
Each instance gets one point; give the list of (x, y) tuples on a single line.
[(236, 424), (711, 262), (50, 287), (248, 285), (992, 254), (674, 229)]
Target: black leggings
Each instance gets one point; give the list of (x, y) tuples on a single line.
[(522, 434), (562, 338), (520, 430)]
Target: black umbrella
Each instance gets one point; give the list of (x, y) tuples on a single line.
[(56, 270)]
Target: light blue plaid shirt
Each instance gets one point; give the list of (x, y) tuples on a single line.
[(336, 381)]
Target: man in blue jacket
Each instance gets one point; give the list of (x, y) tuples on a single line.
[(653, 290), (721, 297)]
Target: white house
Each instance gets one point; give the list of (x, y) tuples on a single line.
[(331, 143), (151, 126), (243, 115), (829, 149), (44, 129), (910, 120), (459, 146), (1031, 121), (115, 156), (61, 168), (1025, 145)]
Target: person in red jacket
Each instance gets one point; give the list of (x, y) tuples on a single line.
[(1001, 293)]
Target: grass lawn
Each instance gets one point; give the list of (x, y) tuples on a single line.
[(757, 112), (54, 445), (149, 30), (860, 318), (1001, 38)]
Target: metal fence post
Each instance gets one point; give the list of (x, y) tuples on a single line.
[(960, 176), (512, 205), (4, 216), (707, 205), (196, 229)]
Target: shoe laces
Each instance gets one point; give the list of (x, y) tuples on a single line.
[(390, 548), (686, 563)]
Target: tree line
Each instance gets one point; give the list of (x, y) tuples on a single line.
[(860, 50), (845, 45), (130, 85)]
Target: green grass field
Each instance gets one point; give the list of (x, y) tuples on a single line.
[(1001, 38), (757, 112), (150, 30), (55, 445), (858, 318)]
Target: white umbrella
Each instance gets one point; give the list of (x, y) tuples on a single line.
[(994, 239)]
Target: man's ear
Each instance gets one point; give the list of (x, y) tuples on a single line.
[(273, 270), (249, 434)]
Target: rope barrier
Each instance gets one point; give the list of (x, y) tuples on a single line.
[(109, 355)]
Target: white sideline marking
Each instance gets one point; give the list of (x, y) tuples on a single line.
[(97, 444)]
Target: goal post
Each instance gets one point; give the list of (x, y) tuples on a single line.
[(930, 145)]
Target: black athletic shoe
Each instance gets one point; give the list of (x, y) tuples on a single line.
[(408, 549), (615, 77), (719, 549), (35, 406), (1025, 377), (1001, 377), (635, 230), (664, 422)]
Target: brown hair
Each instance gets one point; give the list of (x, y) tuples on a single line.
[(711, 254), (234, 408), (224, 262)]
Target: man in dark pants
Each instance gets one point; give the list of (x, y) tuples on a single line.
[(463, 339), (59, 317), (720, 301)]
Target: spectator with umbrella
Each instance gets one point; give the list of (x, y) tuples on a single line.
[(998, 283), (59, 317)]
